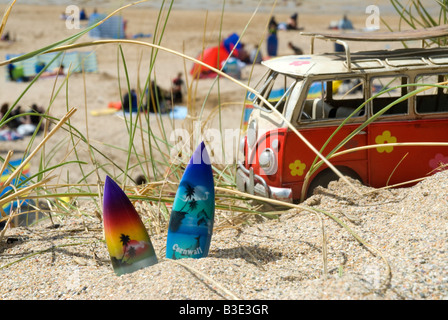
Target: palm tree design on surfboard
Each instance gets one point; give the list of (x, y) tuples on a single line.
[(191, 222), (127, 240)]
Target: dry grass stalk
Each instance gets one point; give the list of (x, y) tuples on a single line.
[(19, 169), (230, 295), (41, 144), (5, 17)]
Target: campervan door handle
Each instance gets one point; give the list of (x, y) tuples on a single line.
[(362, 132)]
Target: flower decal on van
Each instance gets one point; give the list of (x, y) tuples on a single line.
[(438, 162), (385, 137), (299, 63), (297, 168)]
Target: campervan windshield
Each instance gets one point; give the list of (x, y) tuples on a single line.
[(276, 89)]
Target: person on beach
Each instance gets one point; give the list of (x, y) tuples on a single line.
[(294, 48), (95, 16), (6, 36), (243, 55), (156, 99), (8, 131), (343, 24), (3, 110), (255, 55), (83, 15), (292, 23), (130, 101), (273, 25), (56, 72), (31, 122), (17, 73), (272, 41), (177, 88)]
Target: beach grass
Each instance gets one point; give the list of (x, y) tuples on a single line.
[(154, 160)]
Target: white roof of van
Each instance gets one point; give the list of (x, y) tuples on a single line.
[(365, 61)]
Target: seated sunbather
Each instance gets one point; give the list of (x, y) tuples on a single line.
[(57, 71)]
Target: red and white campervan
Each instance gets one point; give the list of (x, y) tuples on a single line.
[(320, 91)]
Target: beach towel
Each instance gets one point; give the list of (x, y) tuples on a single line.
[(15, 182), (179, 112), (9, 135), (315, 90), (112, 28), (76, 61), (141, 35)]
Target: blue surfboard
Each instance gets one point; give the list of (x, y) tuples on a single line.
[(191, 223)]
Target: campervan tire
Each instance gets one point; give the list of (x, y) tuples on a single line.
[(324, 177)]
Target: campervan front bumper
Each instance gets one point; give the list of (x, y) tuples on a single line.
[(251, 183)]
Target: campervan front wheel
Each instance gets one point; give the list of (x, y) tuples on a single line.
[(324, 177)]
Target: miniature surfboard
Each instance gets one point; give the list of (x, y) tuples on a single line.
[(191, 222), (418, 34), (127, 240)]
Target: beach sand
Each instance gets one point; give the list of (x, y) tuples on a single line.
[(405, 255)]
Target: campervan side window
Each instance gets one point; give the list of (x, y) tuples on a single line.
[(388, 90), (435, 99), (333, 99)]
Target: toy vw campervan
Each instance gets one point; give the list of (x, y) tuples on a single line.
[(322, 91)]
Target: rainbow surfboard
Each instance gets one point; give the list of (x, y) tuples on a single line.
[(127, 240), (191, 222)]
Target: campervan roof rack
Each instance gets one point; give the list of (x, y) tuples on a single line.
[(342, 38)]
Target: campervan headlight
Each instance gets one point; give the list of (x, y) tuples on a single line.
[(268, 161), (252, 133), (242, 145), (275, 145)]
